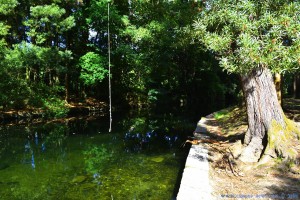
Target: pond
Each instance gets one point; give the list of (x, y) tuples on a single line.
[(142, 158)]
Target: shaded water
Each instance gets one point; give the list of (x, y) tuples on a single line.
[(79, 159)]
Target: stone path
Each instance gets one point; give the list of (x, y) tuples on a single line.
[(195, 179)]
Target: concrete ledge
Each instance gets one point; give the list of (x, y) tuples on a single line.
[(195, 179), (201, 126)]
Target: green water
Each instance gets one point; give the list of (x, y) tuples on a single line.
[(79, 159)]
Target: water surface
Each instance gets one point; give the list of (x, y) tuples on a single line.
[(79, 159)]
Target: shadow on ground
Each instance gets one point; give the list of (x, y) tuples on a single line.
[(272, 180)]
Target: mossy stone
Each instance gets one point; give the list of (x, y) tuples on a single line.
[(157, 159)]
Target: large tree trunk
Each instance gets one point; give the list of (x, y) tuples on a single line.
[(264, 112)]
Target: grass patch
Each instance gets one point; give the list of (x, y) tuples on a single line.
[(221, 114)]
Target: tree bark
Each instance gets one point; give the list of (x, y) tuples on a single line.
[(297, 86), (67, 93), (262, 108), (277, 82)]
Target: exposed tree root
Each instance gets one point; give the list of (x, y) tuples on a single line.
[(196, 142)]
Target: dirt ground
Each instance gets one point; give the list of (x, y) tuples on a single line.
[(275, 179)]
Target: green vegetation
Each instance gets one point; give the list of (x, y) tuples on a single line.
[(54, 53), (92, 68), (164, 54), (255, 39), (221, 114), (96, 157)]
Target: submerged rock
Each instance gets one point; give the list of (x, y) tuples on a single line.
[(78, 179), (157, 159)]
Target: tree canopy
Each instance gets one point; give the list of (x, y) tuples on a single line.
[(248, 34), (254, 38), (58, 50)]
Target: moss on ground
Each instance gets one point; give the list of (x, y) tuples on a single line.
[(282, 139)]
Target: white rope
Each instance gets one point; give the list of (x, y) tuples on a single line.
[(109, 73)]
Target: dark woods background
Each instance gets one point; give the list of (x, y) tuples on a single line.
[(56, 51)]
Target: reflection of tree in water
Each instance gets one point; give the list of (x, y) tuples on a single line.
[(40, 140), (149, 141), (76, 125), (95, 159), (57, 135), (3, 142), (152, 134)]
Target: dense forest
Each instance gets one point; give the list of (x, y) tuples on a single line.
[(160, 66), (162, 54), (55, 53)]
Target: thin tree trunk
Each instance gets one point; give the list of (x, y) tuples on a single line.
[(27, 74), (67, 85), (277, 82), (262, 108), (297, 86)]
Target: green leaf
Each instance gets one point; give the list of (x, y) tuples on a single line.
[(92, 68)]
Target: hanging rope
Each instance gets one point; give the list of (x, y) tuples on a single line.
[(109, 73)]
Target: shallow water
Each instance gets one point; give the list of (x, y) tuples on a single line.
[(79, 159)]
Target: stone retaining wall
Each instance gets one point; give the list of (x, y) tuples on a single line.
[(195, 179)]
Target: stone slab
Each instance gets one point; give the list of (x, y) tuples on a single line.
[(195, 179)]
